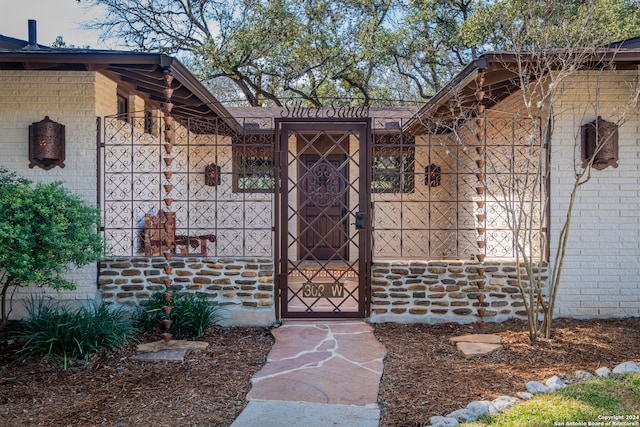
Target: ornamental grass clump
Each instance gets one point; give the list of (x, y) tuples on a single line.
[(191, 314), (66, 334)]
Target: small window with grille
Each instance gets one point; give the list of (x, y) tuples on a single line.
[(392, 170), (254, 169)]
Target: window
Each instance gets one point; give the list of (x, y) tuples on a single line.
[(148, 122), (123, 106), (392, 167), (254, 168)]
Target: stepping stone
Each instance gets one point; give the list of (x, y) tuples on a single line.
[(161, 356), (477, 344), (172, 345), (473, 349), (477, 338)]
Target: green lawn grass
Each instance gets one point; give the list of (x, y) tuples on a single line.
[(612, 401)]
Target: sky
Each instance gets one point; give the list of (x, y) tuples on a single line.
[(55, 18)]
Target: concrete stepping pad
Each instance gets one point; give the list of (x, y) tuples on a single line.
[(304, 414), (167, 351), (172, 345), (473, 349), (474, 345), (482, 338), (161, 356)]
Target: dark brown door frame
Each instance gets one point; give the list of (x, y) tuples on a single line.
[(283, 127)]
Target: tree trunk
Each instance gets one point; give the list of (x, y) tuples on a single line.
[(4, 313)]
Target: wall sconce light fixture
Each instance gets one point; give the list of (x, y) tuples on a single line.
[(46, 144), (212, 176), (432, 175)]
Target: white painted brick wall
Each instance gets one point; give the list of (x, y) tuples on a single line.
[(601, 276), (74, 99)]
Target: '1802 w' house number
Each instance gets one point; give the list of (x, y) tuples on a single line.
[(323, 290)]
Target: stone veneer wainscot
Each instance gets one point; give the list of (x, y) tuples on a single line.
[(227, 282), (443, 291), (402, 291)]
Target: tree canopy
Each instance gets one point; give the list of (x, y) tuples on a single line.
[(370, 51)]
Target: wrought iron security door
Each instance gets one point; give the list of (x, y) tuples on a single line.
[(323, 246)]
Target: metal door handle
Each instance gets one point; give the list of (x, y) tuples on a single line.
[(359, 220)]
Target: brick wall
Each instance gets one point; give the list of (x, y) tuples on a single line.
[(69, 98), (601, 277)]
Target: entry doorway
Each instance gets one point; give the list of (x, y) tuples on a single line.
[(323, 242)]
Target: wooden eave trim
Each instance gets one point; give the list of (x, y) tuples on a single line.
[(460, 84), (197, 88)]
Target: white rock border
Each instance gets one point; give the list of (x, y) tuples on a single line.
[(478, 408)]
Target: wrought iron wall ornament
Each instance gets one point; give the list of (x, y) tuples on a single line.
[(46, 144), (323, 184), (432, 175), (601, 136), (212, 176)]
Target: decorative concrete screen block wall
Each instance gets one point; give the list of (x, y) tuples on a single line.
[(237, 284), (444, 291)]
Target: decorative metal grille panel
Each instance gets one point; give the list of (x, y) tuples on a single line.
[(435, 196), (461, 213), (212, 220)]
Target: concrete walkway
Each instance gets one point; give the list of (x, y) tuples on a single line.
[(318, 374)]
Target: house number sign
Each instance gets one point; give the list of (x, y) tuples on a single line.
[(323, 290)]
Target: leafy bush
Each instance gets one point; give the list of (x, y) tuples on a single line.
[(191, 313), (55, 330), (44, 231)]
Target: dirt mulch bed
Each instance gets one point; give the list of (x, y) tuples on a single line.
[(424, 375), (207, 389)]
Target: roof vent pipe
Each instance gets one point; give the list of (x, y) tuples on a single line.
[(33, 36)]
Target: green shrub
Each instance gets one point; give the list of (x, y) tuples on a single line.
[(191, 313), (57, 331), (45, 230), (151, 314)]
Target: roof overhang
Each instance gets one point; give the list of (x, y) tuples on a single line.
[(501, 78), (136, 71)]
